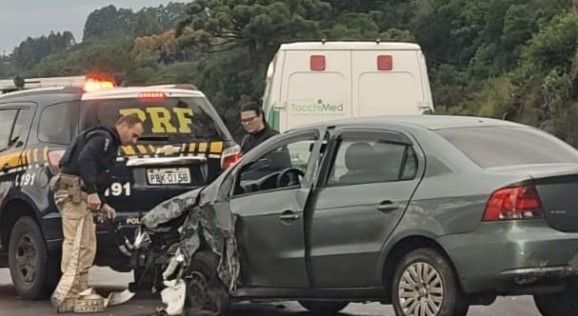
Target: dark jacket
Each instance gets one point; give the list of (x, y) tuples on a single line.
[(251, 141), (90, 156)]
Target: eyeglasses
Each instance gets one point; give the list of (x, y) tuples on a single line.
[(248, 120)]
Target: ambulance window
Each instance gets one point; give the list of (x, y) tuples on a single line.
[(58, 123), (6, 124)]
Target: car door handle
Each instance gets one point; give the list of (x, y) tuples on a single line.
[(387, 206), (289, 216)]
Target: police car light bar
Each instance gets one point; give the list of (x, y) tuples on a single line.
[(91, 85)]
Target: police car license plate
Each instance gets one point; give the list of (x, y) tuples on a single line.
[(160, 176)]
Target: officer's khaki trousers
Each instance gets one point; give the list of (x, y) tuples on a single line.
[(78, 249), (72, 214)]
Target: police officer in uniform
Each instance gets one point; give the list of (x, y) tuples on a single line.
[(78, 192), (254, 124)]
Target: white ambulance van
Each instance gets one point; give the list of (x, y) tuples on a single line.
[(316, 81)]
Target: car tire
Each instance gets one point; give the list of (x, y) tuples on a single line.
[(206, 294), (34, 275), (565, 303), (324, 307), (424, 279)]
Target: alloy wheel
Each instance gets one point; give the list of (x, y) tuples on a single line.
[(421, 290)]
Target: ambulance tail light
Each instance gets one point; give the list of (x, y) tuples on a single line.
[(317, 62), (54, 157), (384, 62), (230, 156)]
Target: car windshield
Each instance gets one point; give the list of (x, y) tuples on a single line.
[(170, 119), (499, 146)]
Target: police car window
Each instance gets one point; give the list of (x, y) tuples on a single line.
[(58, 123), (371, 160), (20, 130), (6, 124), (170, 119)]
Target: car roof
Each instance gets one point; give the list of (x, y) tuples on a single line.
[(52, 94), (117, 92), (344, 45), (133, 92), (430, 122)]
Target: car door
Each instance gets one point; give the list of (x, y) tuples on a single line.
[(269, 210), (368, 179)]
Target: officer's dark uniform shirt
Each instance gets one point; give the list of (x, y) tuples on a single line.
[(251, 141), (90, 156)]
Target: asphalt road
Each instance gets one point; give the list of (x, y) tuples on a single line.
[(105, 280)]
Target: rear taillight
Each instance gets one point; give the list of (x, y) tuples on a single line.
[(54, 158), (521, 202), (151, 96), (230, 156)]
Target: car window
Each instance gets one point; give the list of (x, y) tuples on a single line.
[(58, 123), (263, 173), (20, 131), (6, 124), (499, 146), (365, 160), (165, 119)]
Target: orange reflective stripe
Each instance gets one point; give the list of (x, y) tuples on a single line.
[(216, 147), (203, 147)]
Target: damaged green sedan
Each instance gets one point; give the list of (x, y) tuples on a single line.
[(429, 213)]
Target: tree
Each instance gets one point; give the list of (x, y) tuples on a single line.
[(108, 22), (31, 51), (112, 22), (7, 69)]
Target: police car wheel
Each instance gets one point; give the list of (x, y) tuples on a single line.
[(32, 272), (206, 294)]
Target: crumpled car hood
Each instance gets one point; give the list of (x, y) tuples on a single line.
[(170, 209), (205, 221)]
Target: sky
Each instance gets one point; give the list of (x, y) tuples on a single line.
[(22, 18)]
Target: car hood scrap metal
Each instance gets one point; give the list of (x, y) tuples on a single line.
[(204, 221)]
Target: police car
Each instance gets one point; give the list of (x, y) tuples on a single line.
[(185, 145)]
